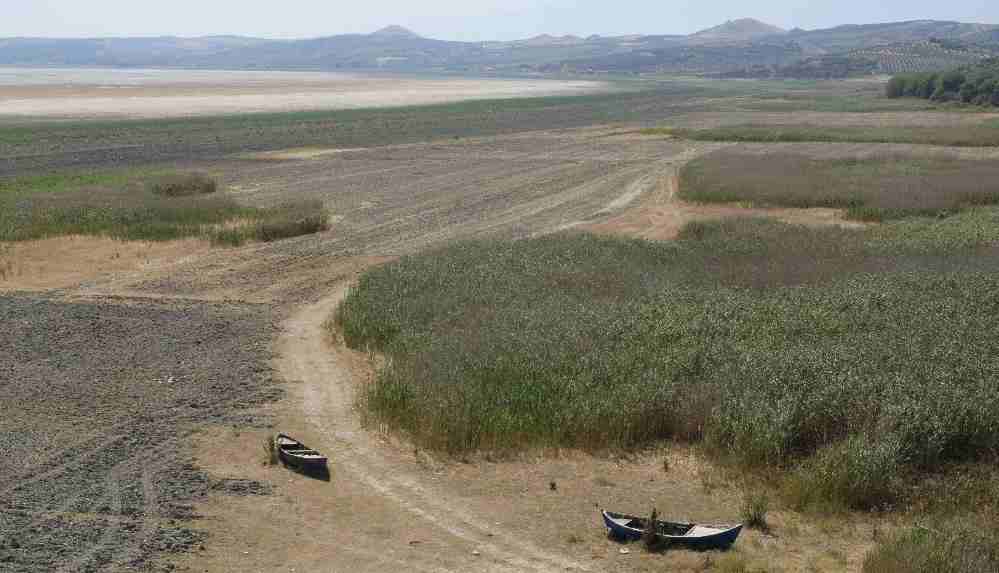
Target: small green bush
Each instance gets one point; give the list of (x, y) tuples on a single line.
[(183, 184)]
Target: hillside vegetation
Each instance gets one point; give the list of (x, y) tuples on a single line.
[(976, 84)]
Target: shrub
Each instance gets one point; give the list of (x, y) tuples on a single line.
[(293, 220), (857, 473), (183, 184), (755, 505), (957, 546), (967, 83)]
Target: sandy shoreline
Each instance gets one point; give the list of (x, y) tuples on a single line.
[(174, 95)]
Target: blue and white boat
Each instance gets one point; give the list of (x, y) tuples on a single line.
[(630, 528)]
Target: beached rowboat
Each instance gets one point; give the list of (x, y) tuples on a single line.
[(294, 453), (630, 528)]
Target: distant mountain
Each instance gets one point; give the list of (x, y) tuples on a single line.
[(738, 47), (396, 32), (742, 30), (549, 40)]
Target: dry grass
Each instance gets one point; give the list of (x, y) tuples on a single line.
[(60, 262), (870, 189)]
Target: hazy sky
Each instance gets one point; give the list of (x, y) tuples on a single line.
[(453, 19)]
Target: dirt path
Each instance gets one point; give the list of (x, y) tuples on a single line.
[(655, 212), (326, 381)]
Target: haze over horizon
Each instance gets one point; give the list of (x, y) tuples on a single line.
[(453, 20)]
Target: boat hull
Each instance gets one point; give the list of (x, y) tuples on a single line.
[(291, 460), (293, 453), (723, 539)]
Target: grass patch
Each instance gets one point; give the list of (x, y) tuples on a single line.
[(61, 182), (137, 206), (863, 101), (984, 134), (183, 184), (858, 472), (870, 189), (956, 546), (282, 222), (857, 359)]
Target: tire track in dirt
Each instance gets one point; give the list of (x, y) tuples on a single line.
[(150, 510), (663, 178), (328, 404)]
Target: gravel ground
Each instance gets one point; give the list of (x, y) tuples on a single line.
[(97, 399)]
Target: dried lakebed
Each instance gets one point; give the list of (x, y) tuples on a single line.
[(99, 398)]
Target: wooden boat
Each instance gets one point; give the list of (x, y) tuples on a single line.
[(630, 528), (294, 453)]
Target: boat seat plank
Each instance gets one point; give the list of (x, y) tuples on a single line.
[(701, 531)]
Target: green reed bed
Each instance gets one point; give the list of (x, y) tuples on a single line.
[(143, 206), (858, 358), (985, 134), (874, 188), (948, 547)]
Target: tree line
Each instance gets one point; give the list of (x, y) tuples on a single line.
[(975, 84)]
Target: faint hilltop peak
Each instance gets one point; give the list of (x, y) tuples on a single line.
[(550, 40), (741, 29), (396, 32)]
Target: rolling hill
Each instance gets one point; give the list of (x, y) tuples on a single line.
[(744, 47), (742, 30)]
